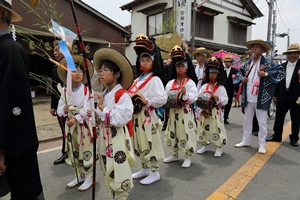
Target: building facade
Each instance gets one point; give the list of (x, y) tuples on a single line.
[(219, 24)]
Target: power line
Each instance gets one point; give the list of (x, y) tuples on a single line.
[(286, 20), (296, 8), (278, 10)]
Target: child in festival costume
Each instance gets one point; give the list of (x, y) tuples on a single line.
[(211, 123), (181, 128), (115, 111), (78, 128), (146, 123)]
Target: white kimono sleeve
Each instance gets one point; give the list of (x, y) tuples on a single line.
[(191, 94), (156, 94), (121, 114)]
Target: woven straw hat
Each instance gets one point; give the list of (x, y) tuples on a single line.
[(260, 42), (15, 17), (201, 50), (119, 59), (292, 48), (227, 58)]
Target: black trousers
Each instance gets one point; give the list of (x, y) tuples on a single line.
[(23, 175), (281, 109), (228, 107), (62, 121)]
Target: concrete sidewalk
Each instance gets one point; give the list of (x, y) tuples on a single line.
[(46, 125)]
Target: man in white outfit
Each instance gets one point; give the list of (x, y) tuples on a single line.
[(259, 76), (201, 54)]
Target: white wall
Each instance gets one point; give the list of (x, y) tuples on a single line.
[(139, 25), (139, 22), (221, 22)]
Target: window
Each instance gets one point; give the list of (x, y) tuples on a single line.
[(204, 26), (161, 22), (237, 34)]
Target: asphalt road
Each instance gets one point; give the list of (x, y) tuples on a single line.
[(277, 179)]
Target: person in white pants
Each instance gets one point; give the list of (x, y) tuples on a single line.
[(259, 76)]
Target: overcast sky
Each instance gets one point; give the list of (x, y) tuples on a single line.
[(287, 17)]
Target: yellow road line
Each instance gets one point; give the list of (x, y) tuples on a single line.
[(238, 181)]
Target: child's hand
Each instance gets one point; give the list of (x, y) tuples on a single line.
[(71, 122), (205, 114), (142, 98), (183, 90), (66, 109), (216, 97), (100, 99), (88, 112)]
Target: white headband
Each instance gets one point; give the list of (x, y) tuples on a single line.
[(148, 54)]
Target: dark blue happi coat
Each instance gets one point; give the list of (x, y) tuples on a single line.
[(266, 84)]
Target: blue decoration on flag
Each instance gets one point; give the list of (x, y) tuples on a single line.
[(64, 50)]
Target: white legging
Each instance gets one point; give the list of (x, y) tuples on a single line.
[(262, 118)]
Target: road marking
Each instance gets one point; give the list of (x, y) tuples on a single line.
[(49, 150), (238, 181)]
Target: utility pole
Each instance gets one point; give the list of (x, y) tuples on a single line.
[(271, 5), (194, 13), (273, 34), (288, 38)]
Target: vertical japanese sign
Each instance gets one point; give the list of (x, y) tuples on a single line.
[(184, 15)]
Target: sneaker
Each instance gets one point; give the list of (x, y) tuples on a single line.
[(86, 184), (262, 150), (75, 182), (241, 144), (171, 159), (202, 150), (187, 163), (142, 173), (218, 152), (152, 178)]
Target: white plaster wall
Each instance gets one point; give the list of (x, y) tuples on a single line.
[(139, 25), (221, 25)]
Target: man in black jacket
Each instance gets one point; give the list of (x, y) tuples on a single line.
[(18, 137), (230, 75), (55, 98), (286, 94)]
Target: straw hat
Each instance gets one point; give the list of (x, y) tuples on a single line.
[(15, 17), (227, 58), (77, 60), (292, 48), (260, 42), (201, 50), (119, 59)]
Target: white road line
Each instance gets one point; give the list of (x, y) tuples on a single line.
[(49, 150)]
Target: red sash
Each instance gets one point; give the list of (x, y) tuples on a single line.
[(214, 88), (181, 84), (118, 95), (141, 86)]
